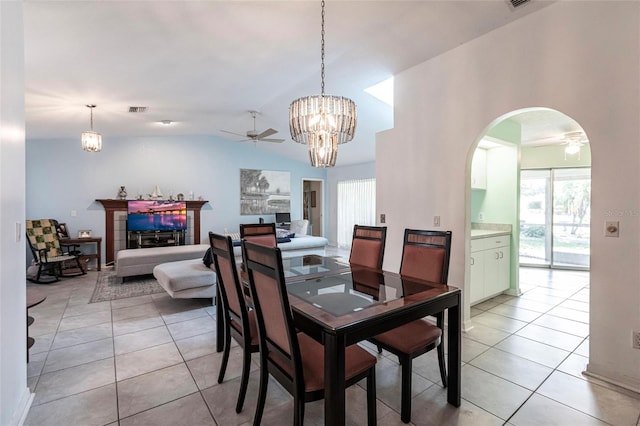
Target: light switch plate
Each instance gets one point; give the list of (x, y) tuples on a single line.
[(383, 218)]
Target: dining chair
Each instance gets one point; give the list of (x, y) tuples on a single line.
[(239, 321), (293, 358), (261, 233), (425, 257), (367, 246)]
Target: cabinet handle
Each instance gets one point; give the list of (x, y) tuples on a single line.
[(473, 261), (501, 254), (497, 255)]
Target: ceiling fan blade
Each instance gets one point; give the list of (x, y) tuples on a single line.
[(272, 140), (234, 133), (266, 133)]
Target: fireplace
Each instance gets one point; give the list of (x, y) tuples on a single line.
[(116, 225)]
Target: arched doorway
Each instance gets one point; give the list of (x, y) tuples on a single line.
[(530, 186)]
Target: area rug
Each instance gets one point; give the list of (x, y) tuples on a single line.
[(111, 287)]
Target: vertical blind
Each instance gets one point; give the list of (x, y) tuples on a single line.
[(356, 206)]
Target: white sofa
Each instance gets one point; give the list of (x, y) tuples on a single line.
[(142, 261), (181, 271), (299, 246)]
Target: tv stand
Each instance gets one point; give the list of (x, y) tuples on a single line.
[(146, 239)]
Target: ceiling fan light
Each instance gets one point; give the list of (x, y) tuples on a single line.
[(572, 148)]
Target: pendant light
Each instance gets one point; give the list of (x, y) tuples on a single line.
[(91, 141), (322, 121)]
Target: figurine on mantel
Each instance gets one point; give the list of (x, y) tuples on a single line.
[(157, 194), (122, 193)]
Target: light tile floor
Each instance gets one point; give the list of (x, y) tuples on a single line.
[(151, 360)]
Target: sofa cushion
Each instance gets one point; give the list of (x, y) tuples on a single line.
[(185, 274)]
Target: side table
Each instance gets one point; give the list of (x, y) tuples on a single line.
[(97, 241), (34, 297)]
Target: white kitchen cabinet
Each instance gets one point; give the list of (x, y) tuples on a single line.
[(490, 267), (479, 169)]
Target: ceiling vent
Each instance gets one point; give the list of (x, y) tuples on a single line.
[(517, 3), (137, 109)]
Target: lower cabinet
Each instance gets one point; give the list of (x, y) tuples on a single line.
[(490, 267)]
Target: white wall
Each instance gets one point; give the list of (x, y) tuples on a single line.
[(14, 394), (335, 175), (580, 58)]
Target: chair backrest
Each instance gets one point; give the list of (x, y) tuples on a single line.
[(278, 339), (299, 227), (261, 233), (227, 278), (425, 255), (367, 246), (42, 235)]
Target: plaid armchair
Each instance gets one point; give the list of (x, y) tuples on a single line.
[(47, 251)]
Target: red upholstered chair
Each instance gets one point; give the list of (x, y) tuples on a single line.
[(367, 246), (293, 358), (261, 233), (239, 321), (425, 256)]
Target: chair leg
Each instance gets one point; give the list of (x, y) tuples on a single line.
[(442, 365), (405, 402), (244, 381), (379, 349), (225, 354), (262, 391), (298, 412), (371, 398)]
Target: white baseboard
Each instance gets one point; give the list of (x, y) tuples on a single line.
[(20, 415), (625, 382)]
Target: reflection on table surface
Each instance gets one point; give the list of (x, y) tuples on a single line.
[(312, 265), (360, 293)]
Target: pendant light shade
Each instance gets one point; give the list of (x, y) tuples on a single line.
[(322, 121), (91, 141)]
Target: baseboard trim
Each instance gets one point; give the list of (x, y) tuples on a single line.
[(22, 410), (628, 383)]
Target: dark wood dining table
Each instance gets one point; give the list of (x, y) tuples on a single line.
[(340, 306)]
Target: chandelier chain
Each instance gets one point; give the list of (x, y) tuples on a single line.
[(322, 53)]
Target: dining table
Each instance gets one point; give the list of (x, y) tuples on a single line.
[(339, 305)]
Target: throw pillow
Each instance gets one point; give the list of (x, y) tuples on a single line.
[(282, 233), (283, 240), (208, 258)]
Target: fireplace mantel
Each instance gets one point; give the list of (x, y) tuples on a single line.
[(113, 205)]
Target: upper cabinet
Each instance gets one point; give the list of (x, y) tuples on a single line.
[(479, 169)]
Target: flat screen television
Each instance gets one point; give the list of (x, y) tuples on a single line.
[(283, 217), (156, 215)]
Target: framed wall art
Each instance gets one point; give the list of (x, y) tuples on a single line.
[(264, 192)]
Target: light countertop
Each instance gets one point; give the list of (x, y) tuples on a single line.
[(485, 233)]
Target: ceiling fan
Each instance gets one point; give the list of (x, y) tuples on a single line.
[(253, 135)]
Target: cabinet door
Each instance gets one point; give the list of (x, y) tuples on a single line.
[(492, 278), (496, 272), (476, 275), (504, 268), (479, 169)]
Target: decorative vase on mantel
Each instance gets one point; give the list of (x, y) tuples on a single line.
[(122, 193)]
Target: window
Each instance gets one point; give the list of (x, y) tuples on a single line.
[(356, 206)]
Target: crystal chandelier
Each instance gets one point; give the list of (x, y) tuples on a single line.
[(322, 121), (91, 141)]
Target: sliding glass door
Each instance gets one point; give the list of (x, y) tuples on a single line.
[(555, 217)]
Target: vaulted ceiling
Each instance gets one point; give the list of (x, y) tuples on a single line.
[(204, 64)]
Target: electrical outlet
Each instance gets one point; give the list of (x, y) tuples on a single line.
[(383, 218), (611, 228), (74, 213), (480, 216), (436, 221), (636, 339)]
